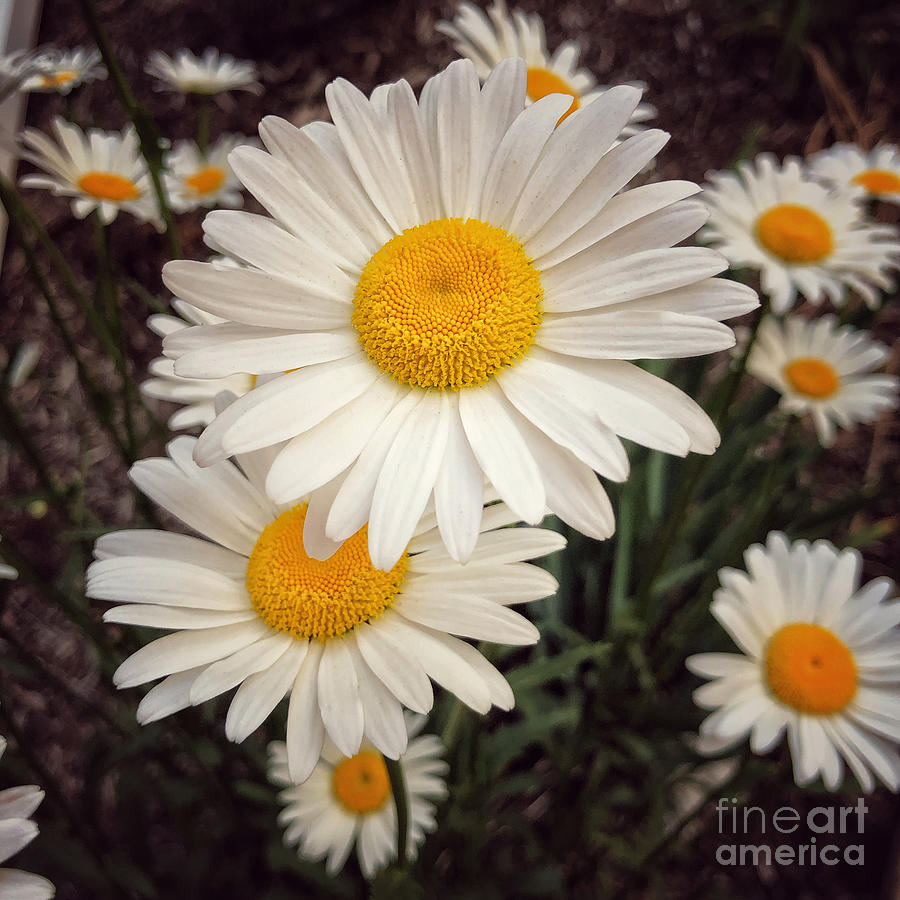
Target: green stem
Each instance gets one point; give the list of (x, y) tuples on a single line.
[(203, 116), (450, 734), (398, 789)]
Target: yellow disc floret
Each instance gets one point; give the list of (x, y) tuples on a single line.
[(794, 233), (361, 783), (879, 181), (311, 598), (448, 304), (108, 186), (810, 669), (812, 377), (542, 82), (206, 181), (59, 79)]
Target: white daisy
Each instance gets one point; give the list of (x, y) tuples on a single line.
[(100, 170), (459, 284), (823, 369), (195, 179), (487, 38), (17, 831), (269, 604), (61, 71), (212, 73), (802, 237), (197, 396), (821, 660), (349, 800), (877, 171)]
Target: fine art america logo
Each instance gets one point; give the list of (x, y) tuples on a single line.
[(810, 845)]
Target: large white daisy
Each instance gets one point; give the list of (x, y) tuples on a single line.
[(61, 71), (820, 660), (458, 284), (253, 604), (212, 73), (17, 805), (802, 237), (823, 369), (347, 801), (877, 171), (195, 179), (487, 38), (100, 170)]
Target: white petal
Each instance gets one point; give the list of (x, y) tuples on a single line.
[(339, 703)]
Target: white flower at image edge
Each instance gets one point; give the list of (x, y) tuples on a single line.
[(448, 293), (819, 661), (252, 608)]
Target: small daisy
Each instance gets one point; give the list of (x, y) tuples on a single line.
[(194, 179), (16, 832), (846, 165), (268, 603), (488, 38), (823, 369), (213, 73), (349, 800), (449, 291), (197, 396), (802, 237), (100, 170), (61, 71), (821, 660)]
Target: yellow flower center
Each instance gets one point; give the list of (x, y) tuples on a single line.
[(206, 181), (811, 376), (879, 181), (794, 233), (311, 598), (108, 186), (361, 783), (810, 669), (542, 82), (448, 304), (58, 79)]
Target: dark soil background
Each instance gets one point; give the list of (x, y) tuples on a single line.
[(728, 79)]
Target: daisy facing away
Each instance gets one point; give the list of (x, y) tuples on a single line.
[(802, 237), (99, 170), (447, 293), (877, 171), (820, 661), (487, 38), (195, 179), (212, 73), (61, 71), (824, 369), (348, 801), (251, 607)]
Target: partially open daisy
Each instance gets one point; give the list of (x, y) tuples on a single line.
[(348, 800), (17, 805), (487, 38), (212, 73), (820, 660), (876, 171), (825, 370), (802, 237), (102, 171), (196, 179), (196, 396), (61, 71), (458, 284), (252, 604)]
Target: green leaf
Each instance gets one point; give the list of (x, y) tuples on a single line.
[(532, 675)]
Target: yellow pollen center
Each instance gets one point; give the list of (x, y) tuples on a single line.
[(311, 598), (542, 82), (794, 233), (108, 186), (361, 783), (58, 79), (206, 181), (810, 669), (811, 376), (448, 304), (879, 181)]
